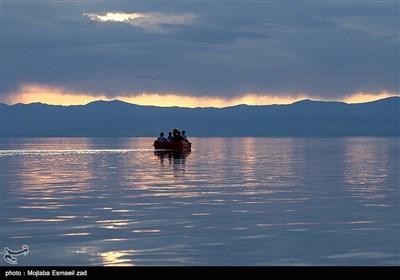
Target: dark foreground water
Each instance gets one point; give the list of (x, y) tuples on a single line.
[(231, 201)]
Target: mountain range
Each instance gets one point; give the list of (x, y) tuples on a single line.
[(305, 118)]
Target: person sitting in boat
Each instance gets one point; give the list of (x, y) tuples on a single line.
[(184, 137), (170, 137), (161, 139), (177, 135)]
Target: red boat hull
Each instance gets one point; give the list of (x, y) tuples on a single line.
[(173, 146)]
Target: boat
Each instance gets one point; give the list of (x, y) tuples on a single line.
[(175, 146)]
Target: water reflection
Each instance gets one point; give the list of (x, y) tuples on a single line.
[(176, 159), (258, 200), (117, 258), (173, 157), (367, 162), (371, 174)]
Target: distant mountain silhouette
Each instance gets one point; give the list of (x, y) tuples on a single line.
[(116, 118)]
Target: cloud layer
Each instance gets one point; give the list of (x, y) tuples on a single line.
[(227, 50), (158, 23)]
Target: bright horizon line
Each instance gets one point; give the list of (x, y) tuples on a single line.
[(28, 94), (111, 100)]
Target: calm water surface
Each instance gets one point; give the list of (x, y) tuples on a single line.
[(231, 201)]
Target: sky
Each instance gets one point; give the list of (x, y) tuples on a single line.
[(198, 53)]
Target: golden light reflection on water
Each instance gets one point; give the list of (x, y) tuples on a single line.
[(367, 168), (22, 237), (117, 258), (115, 239), (25, 220), (128, 205), (362, 164), (40, 207), (115, 224), (201, 214), (146, 231), (75, 234)]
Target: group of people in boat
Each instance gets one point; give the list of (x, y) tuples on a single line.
[(173, 137)]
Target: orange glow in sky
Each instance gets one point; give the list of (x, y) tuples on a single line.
[(60, 96)]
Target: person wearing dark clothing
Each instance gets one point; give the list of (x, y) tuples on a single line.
[(177, 135), (184, 138), (161, 139)]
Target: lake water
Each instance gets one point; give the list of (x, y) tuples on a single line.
[(231, 201)]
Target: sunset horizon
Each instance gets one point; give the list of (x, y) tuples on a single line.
[(59, 96), (200, 55)]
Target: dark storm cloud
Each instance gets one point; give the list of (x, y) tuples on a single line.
[(323, 49)]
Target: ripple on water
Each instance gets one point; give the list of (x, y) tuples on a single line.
[(231, 201)]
